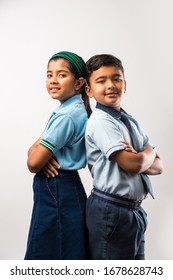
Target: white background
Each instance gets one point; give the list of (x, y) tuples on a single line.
[(139, 32)]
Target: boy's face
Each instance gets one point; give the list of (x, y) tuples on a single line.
[(107, 86)]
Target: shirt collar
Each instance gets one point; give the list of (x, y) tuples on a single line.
[(72, 100), (114, 113)]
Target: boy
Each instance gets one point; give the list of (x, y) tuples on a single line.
[(116, 221)]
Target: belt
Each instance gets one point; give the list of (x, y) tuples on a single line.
[(117, 199), (63, 172)]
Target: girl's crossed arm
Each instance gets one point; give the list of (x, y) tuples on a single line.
[(39, 158)]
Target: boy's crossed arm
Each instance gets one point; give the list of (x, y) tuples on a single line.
[(146, 161)]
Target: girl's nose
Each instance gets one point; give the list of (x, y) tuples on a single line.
[(54, 80)]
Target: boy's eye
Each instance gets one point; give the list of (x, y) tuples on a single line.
[(118, 80), (49, 76), (100, 81)]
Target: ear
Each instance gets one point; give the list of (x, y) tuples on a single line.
[(124, 86), (79, 83), (88, 91)]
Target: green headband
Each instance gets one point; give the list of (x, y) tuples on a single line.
[(76, 61)]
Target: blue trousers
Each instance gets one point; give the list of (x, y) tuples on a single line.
[(116, 232), (57, 229)]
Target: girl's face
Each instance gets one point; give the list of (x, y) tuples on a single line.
[(107, 86), (61, 83)]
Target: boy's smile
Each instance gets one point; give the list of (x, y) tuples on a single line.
[(107, 86)]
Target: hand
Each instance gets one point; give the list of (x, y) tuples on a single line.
[(50, 169), (128, 147)]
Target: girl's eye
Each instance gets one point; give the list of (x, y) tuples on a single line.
[(100, 81), (49, 76), (61, 75)]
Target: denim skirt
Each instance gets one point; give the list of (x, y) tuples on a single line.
[(57, 230)]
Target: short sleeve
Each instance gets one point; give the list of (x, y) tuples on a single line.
[(58, 133), (106, 136)]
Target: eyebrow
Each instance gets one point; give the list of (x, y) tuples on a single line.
[(103, 77), (50, 71)]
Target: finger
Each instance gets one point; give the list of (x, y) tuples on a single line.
[(54, 162), (50, 173), (46, 173), (51, 169), (128, 149), (125, 142)]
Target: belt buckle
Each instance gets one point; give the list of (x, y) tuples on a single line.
[(138, 203)]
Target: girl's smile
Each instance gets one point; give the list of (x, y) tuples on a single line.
[(54, 89), (60, 83)]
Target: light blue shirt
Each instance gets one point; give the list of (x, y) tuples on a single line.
[(104, 135), (64, 134)]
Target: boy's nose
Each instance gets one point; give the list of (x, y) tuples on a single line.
[(110, 85)]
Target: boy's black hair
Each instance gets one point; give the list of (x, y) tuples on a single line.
[(97, 61)]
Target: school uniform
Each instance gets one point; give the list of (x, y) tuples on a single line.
[(57, 229), (116, 221)]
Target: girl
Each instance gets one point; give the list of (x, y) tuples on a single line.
[(57, 229)]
